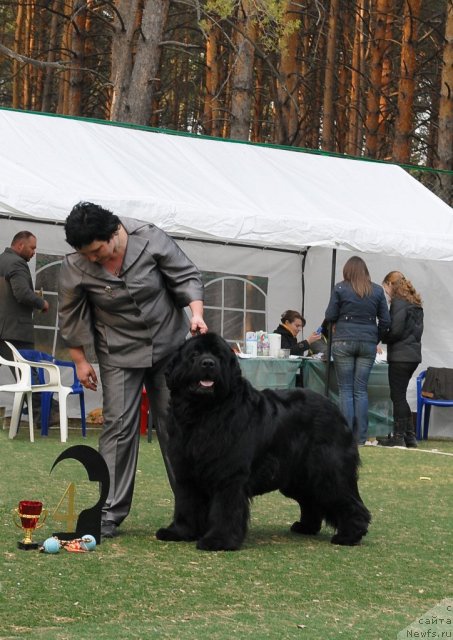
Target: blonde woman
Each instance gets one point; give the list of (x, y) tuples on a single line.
[(359, 310), (404, 353)]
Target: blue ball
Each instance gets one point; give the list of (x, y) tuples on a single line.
[(89, 541), (51, 545)]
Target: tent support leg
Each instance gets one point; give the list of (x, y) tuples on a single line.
[(329, 337)]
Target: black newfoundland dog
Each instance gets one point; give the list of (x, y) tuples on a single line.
[(229, 442)]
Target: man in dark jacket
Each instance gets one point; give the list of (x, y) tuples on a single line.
[(17, 296)]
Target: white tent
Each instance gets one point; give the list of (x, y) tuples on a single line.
[(254, 199), (213, 189)]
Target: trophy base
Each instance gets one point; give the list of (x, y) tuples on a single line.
[(28, 546)]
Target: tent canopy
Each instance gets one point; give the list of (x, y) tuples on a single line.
[(219, 190)]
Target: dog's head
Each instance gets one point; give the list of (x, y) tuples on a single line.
[(204, 367)]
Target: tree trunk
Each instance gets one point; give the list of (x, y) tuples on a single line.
[(146, 62), (344, 79), (27, 44), (258, 116), (211, 107), (122, 54), (445, 139), (18, 46), (77, 38), (385, 108), (406, 86), (328, 116), (353, 146), (288, 82), (377, 50), (48, 74), (242, 74), (63, 85)]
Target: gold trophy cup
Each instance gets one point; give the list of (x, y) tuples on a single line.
[(29, 512)]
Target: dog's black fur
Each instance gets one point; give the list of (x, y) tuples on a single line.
[(229, 442)]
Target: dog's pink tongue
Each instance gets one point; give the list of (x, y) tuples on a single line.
[(206, 383)]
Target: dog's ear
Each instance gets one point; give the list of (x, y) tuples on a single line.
[(170, 369)]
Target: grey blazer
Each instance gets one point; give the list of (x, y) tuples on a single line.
[(138, 317), (17, 298)]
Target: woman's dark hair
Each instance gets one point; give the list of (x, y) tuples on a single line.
[(88, 222), (290, 316)]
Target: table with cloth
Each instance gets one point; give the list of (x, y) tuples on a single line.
[(380, 412), (280, 373), (270, 373)]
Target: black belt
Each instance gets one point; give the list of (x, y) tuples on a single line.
[(359, 319)]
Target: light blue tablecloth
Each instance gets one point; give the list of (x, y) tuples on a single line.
[(270, 373)]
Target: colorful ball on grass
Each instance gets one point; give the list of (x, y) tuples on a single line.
[(51, 545), (89, 541)]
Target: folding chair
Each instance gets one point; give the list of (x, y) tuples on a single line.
[(426, 404), (46, 396), (53, 385), (20, 388)]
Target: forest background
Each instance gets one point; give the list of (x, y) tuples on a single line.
[(367, 78)]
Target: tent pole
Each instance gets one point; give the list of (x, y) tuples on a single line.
[(329, 336), (304, 258)]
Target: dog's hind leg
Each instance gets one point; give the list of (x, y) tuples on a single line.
[(351, 520)]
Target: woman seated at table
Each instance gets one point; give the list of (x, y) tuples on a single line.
[(290, 326)]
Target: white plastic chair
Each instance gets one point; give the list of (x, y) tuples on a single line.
[(22, 387), (53, 384)]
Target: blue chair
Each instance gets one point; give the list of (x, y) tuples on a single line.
[(46, 396), (426, 403)]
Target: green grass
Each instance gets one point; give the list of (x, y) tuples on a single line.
[(279, 586)]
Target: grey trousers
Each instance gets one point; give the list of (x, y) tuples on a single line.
[(119, 441)]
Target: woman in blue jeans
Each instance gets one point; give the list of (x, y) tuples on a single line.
[(359, 310)]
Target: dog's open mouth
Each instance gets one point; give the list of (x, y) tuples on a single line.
[(206, 384)]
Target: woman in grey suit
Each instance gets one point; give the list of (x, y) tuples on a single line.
[(125, 289)]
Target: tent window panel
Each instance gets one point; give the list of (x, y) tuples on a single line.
[(213, 318), (255, 321), (47, 272), (44, 340), (240, 302), (255, 299), (233, 326), (49, 318), (213, 294), (234, 293)]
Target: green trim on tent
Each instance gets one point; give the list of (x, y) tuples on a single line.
[(319, 152)]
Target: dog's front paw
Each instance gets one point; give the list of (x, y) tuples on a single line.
[(171, 534), (346, 540), (167, 533), (216, 544), (305, 528)]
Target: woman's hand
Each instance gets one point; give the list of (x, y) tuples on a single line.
[(197, 324), (85, 372), (87, 375), (314, 337)]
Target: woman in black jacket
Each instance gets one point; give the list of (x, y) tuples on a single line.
[(290, 325), (404, 353)]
